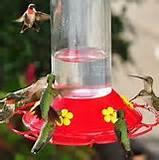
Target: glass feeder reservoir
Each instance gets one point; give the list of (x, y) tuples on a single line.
[(81, 47), (81, 61)]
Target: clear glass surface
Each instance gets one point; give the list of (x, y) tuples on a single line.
[(81, 47)]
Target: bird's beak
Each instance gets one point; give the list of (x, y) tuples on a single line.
[(134, 98), (135, 76)]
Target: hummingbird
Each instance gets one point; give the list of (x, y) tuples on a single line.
[(28, 94), (121, 131), (48, 114), (13, 100), (148, 82), (150, 98), (31, 18)]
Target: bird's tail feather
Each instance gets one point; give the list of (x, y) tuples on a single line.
[(43, 138), (53, 115), (37, 147)]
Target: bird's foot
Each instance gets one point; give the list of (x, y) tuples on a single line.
[(157, 116), (152, 110), (149, 108)]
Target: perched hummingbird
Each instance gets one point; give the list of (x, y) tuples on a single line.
[(150, 98), (148, 82), (48, 114), (31, 18), (121, 131)]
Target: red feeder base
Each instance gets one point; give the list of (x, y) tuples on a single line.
[(86, 121)]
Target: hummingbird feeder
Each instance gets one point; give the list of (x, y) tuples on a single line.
[(81, 61)]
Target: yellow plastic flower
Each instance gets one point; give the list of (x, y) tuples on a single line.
[(65, 117), (110, 115), (127, 102)]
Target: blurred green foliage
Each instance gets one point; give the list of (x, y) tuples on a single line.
[(16, 52)]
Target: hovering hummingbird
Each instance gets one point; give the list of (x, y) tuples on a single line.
[(48, 114), (150, 98), (121, 131), (31, 18), (148, 82)]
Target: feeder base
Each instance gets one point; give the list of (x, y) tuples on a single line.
[(84, 122)]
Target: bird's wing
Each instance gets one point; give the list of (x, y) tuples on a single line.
[(37, 112), (21, 19), (53, 115), (40, 16), (118, 135)]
